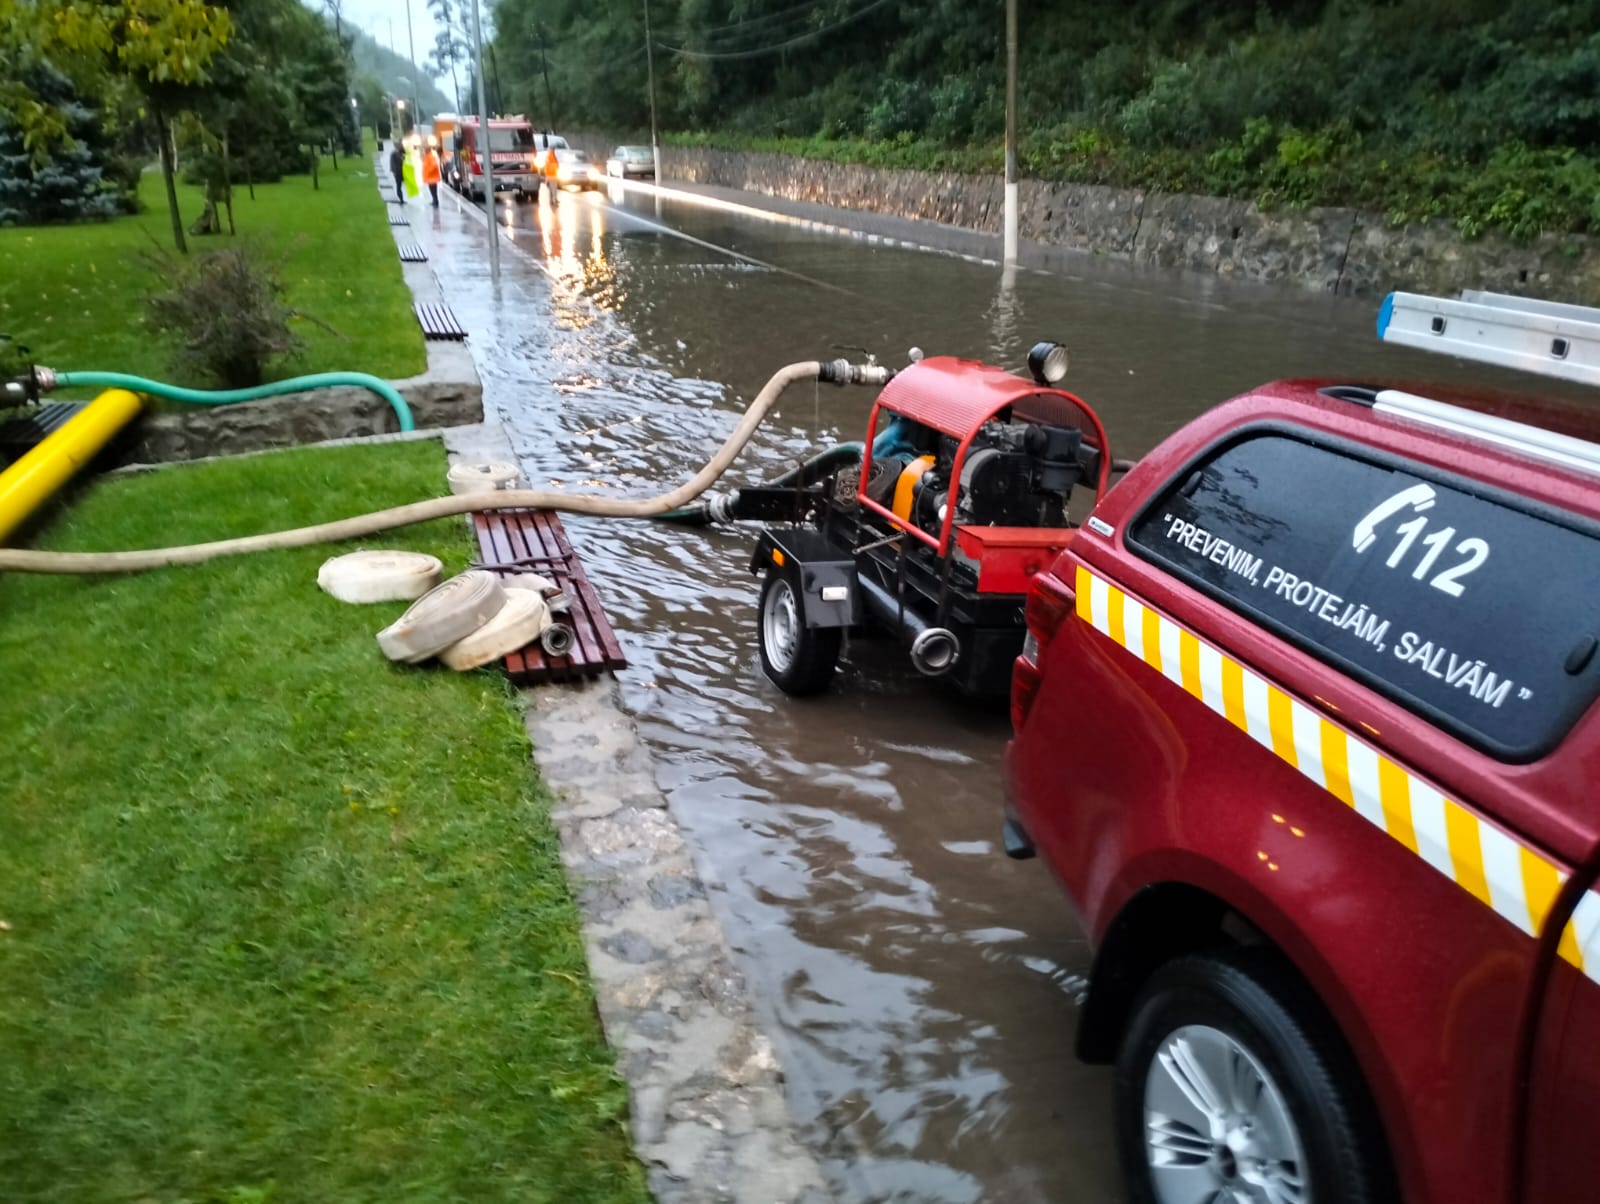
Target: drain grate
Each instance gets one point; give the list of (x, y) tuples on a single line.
[(438, 322)]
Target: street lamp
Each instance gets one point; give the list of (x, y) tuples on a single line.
[(488, 157), (1009, 248), (650, 69)]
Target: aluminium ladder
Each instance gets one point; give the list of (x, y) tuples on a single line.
[(1546, 338)]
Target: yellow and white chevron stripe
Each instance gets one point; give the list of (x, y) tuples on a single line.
[(1499, 871)]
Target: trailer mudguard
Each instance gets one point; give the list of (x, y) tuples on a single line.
[(822, 573)]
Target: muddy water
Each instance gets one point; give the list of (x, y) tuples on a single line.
[(921, 986)]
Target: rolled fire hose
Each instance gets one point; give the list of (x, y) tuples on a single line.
[(517, 624), (445, 615), (27, 560), (482, 478), (379, 576)]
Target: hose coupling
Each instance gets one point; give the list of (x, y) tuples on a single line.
[(935, 651), (842, 372), (44, 378), (720, 506)]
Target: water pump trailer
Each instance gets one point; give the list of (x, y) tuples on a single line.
[(965, 488)]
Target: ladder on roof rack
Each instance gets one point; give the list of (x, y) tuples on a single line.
[(1546, 338)]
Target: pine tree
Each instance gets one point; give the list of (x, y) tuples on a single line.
[(69, 184)]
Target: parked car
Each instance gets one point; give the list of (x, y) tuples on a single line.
[(567, 168), (1304, 725), (631, 163)]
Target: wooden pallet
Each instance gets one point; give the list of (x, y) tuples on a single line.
[(437, 321), (410, 252), (534, 541)]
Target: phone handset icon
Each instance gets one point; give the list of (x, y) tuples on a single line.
[(1417, 497)]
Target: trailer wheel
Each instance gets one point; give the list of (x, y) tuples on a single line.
[(799, 659)]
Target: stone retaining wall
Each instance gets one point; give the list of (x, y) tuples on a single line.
[(1337, 250), (447, 394)]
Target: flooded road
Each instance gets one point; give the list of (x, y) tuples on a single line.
[(921, 987)]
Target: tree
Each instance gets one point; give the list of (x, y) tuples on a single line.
[(158, 48), (374, 109), (449, 46), (70, 182)]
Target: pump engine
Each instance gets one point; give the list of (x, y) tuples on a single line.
[(964, 492)]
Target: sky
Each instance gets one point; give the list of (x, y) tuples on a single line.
[(376, 16)]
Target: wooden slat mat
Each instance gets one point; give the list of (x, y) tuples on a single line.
[(437, 321), (534, 541)]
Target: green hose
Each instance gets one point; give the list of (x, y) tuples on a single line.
[(228, 397)]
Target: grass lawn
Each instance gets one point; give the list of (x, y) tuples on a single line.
[(74, 293), (281, 922)]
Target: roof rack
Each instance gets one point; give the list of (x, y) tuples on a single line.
[(1519, 437), (1546, 338)]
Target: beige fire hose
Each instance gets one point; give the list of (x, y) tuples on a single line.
[(23, 560)]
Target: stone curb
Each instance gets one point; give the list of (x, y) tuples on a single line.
[(709, 1116)]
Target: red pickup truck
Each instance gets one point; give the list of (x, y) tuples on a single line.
[(1305, 726)]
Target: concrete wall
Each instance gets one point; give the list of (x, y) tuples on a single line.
[(1337, 250)]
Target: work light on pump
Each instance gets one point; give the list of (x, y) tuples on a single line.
[(1047, 363)]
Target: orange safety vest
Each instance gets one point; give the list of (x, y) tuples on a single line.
[(430, 168)]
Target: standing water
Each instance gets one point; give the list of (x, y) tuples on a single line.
[(922, 989)]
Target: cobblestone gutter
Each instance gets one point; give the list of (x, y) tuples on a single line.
[(710, 1121)]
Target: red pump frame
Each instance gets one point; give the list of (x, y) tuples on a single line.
[(956, 397)]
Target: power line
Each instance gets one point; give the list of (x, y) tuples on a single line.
[(744, 24), (801, 40)]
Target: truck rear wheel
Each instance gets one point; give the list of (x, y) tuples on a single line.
[(799, 659), (1230, 1088)]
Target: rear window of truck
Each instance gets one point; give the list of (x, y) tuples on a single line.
[(1480, 615)]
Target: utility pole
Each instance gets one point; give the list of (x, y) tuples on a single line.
[(488, 157), (1012, 218), (411, 44), (549, 98), (650, 70)]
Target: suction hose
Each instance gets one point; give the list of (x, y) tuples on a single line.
[(717, 508), (226, 397), (24, 560)]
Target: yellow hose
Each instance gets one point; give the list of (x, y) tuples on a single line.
[(28, 483), (21, 560)]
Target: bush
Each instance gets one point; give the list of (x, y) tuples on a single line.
[(70, 184), (225, 317)]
